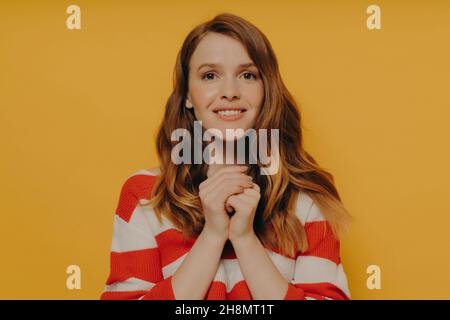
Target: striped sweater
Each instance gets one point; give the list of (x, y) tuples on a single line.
[(145, 254)]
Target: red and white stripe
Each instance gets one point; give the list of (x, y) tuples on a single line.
[(145, 254)]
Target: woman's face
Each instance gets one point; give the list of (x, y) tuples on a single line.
[(225, 87)]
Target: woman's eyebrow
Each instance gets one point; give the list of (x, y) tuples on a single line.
[(214, 65)]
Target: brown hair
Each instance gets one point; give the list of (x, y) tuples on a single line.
[(175, 193)]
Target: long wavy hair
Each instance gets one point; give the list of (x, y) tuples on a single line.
[(175, 193)]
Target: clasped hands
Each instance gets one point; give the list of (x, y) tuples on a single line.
[(228, 189)]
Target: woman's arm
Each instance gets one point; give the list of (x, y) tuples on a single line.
[(193, 277), (135, 258), (318, 271), (262, 277)]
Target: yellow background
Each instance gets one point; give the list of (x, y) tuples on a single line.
[(79, 110)]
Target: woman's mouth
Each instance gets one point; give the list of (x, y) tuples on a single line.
[(230, 114)]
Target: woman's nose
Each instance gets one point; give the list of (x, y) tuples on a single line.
[(230, 89)]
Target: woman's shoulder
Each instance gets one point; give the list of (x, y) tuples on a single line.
[(136, 188), (141, 180), (155, 171), (141, 175)]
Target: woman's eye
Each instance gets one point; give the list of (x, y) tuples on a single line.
[(251, 74), (207, 74)]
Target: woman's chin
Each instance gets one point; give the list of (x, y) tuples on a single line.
[(234, 134)]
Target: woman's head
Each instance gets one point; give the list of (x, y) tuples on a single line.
[(225, 88), (246, 76), (229, 41)]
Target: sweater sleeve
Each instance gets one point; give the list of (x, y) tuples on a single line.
[(135, 263), (319, 273)]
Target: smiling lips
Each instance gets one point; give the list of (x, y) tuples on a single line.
[(229, 113)]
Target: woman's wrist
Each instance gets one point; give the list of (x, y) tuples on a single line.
[(213, 237), (244, 240)]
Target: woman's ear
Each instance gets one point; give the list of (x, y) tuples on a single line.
[(188, 103)]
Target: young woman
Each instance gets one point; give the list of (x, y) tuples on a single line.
[(226, 231)]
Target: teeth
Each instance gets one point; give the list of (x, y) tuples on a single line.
[(229, 112)]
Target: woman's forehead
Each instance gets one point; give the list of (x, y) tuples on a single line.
[(219, 50)]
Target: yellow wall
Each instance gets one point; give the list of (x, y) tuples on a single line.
[(79, 111)]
